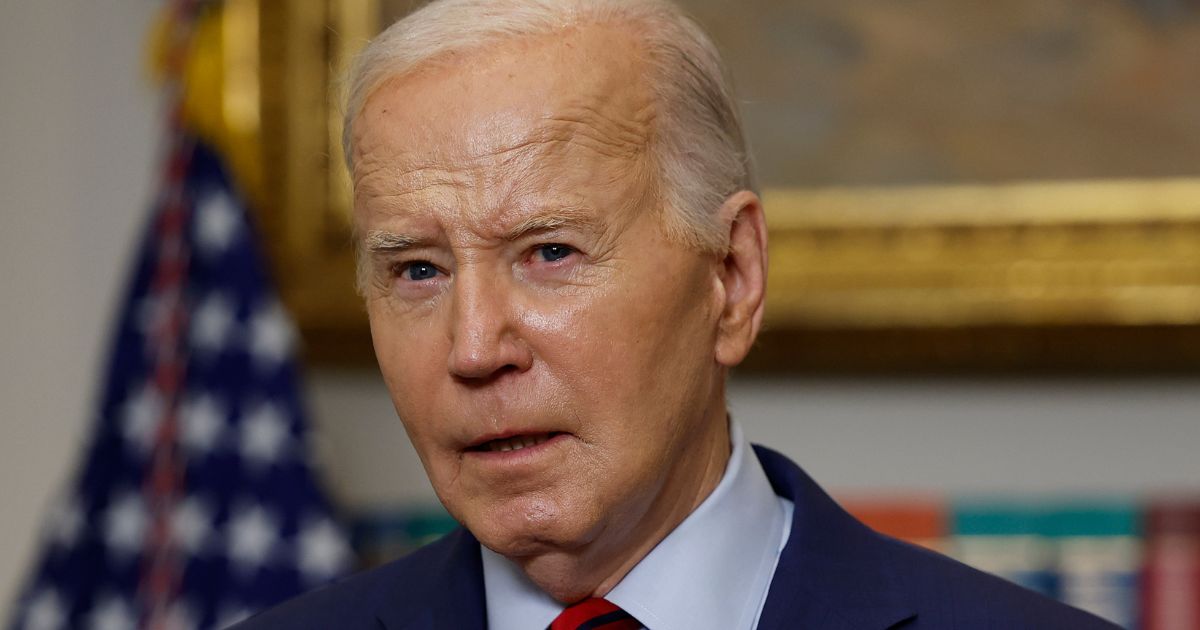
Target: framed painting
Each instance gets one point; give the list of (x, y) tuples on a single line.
[(950, 186)]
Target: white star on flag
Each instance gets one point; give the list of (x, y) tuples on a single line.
[(114, 613), (141, 417), (264, 434), (191, 525), (322, 551), (202, 419), (46, 611), (125, 525), (271, 336), (212, 324), (252, 537), (217, 223)]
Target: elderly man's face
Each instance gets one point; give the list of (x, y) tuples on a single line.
[(553, 357)]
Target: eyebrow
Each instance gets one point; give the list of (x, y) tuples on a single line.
[(381, 241), (553, 219)]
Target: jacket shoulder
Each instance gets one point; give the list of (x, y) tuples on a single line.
[(950, 594), (355, 601), (837, 572)]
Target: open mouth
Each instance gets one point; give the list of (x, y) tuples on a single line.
[(514, 443)]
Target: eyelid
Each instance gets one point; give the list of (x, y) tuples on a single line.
[(392, 259)]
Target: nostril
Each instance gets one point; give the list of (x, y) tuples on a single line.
[(480, 374), (484, 357)]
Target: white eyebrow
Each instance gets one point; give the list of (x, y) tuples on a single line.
[(552, 220), (384, 241), (379, 240)]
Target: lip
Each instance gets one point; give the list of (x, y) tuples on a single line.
[(475, 445), (527, 454)]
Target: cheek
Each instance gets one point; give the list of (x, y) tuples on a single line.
[(630, 349), (411, 358)]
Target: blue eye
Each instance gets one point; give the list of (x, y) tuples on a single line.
[(554, 251), (420, 270)]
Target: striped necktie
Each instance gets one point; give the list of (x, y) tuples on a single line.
[(594, 613)]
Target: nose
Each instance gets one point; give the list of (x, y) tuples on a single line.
[(484, 334)]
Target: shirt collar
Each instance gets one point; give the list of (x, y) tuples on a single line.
[(712, 571)]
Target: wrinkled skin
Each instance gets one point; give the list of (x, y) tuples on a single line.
[(519, 282)]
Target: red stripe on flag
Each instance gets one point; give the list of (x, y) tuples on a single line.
[(162, 568)]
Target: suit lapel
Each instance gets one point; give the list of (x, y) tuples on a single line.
[(834, 572), (444, 594)]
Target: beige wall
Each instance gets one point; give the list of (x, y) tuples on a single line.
[(77, 144), (78, 133)]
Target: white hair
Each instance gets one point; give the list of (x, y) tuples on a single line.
[(699, 148)]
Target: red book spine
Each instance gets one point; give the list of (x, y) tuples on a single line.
[(1171, 582), (917, 519)]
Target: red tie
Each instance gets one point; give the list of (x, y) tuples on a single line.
[(594, 613)]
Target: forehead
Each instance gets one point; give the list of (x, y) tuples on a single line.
[(572, 106)]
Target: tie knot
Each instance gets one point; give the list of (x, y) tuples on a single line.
[(594, 612)]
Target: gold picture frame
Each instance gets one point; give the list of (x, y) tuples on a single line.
[(1048, 276)]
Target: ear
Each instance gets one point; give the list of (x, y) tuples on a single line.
[(743, 277)]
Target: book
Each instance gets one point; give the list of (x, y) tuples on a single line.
[(1171, 575)]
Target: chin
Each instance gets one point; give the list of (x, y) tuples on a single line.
[(516, 546), (525, 527)]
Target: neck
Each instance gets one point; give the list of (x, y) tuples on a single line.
[(596, 568)]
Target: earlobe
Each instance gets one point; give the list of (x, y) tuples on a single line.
[(743, 277)]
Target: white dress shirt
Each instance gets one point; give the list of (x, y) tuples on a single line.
[(711, 572)]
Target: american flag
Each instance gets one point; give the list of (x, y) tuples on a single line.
[(195, 504)]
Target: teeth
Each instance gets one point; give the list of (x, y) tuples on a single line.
[(517, 443)]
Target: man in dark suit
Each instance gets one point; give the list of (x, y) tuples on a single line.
[(562, 255)]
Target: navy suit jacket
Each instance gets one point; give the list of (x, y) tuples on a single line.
[(834, 573)]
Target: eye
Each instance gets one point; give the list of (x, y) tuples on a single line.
[(553, 251), (418, 270)]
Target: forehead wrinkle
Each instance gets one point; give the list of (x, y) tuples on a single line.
[(544, 157), (410, 177), (585, 127), (413, 190), (583, 123), (623, 135)]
